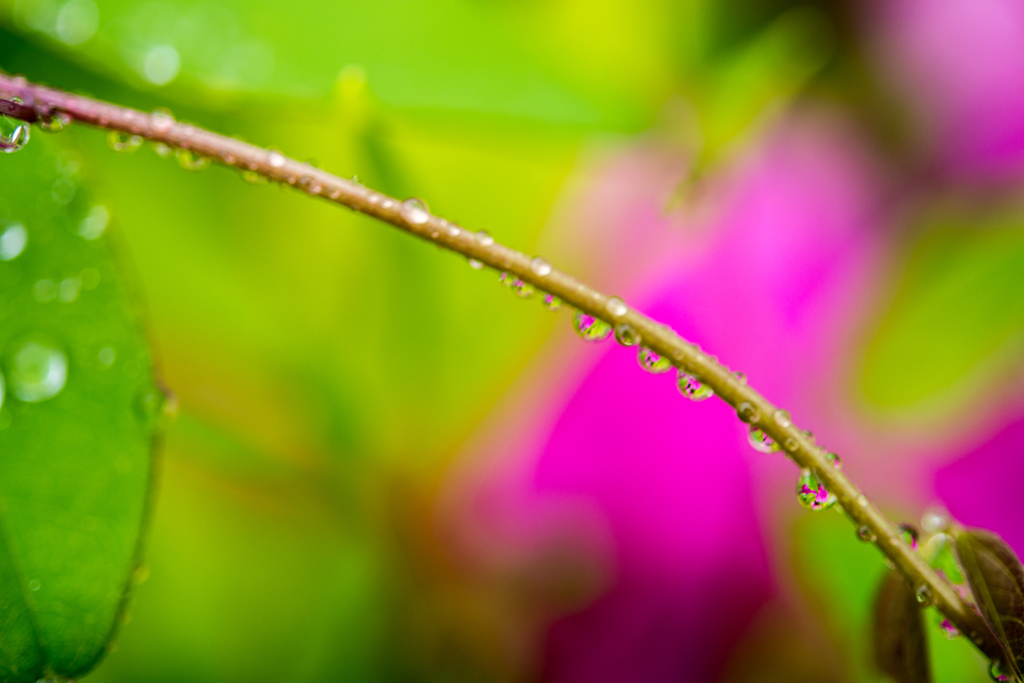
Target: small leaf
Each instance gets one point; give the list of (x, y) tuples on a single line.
[(899, 643), (77, 421), (996, 578)]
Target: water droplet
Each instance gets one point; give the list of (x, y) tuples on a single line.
[(809, 434), (923, 595), (692, 388), (740, 377), (191, 161), (69, 289), (95, 223), (310, 185), (836, 461), (45, 290), (865, 534), (997, 671), (524, 290), (34, 585), (812, 494), (616, 307), (162, 119), (552, 302), (935, 520), (484, 239), (37, 371), (275, 159), (748, 413), (782, 418), (12, 241), (475, 265), (626, 335), (589, 327), (862, 500), (908, 534), (163, 151), (415, 211), (540, 267), (126, 143), (652, 361), (14, 139), (951, 631), (791, 445), (760, 440), (55, 122), (107, 356), (254, 178)]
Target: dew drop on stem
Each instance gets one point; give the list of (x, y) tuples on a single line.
[(865, 534), (908, 534), (540, 267), (590, 328), (616, 307), (552, 302), (191, 161), (760, 440), (626, 335), (692, 388), (748, 413), (55, 122), (415, 211), (923, 594), (483, 238), (122, 142), (812, 494), (474, 264), (652, 361), (13, 136)]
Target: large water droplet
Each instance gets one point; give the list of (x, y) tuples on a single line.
[(12, 241), (760, 440), (812, 494), (14, 135), (552, 302), (126, 143), (748, 413), (865, 534), (589, 327), (616, 307), (652, 362), (415, 211), (626, 335), (782, 418), (275, 159), (95, 223), (692, 388), (540, 267), (998, 671), (192, 161), (37, 371)]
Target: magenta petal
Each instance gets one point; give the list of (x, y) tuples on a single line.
[(985, 487)]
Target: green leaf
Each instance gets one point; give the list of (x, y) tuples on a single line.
[(899, 643), (997, 582), (77, 422)]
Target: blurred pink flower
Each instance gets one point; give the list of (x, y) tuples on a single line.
[(773, 286), (962, 64)]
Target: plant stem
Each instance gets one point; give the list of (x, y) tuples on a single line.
[(42, 103)]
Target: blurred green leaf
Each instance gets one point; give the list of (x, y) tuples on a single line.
[(77, 425)]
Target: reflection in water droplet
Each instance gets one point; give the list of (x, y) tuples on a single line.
[(126, 143), (95, 223), (540, 267), (908, 534), (275, 159), (626, 335), (191, 161), (13, 136), (652, 362), (163, 151), (12, 241), (836, 461), (162, 119), (107, 356), (415, 211), (952, 632), (45, 290), (55, 122), (760, 440), (484, 239), (923, 595), (934, 520), (552, 302), (475, 265), (865, 534), (791, 445), (812, 494), (616, 307), (740, 377), (997, 671), (782, 418), (748, 413), (254, 178), (692, 388), (37, 371), (589, 327)]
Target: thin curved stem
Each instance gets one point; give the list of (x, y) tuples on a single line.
[(30, 102)]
